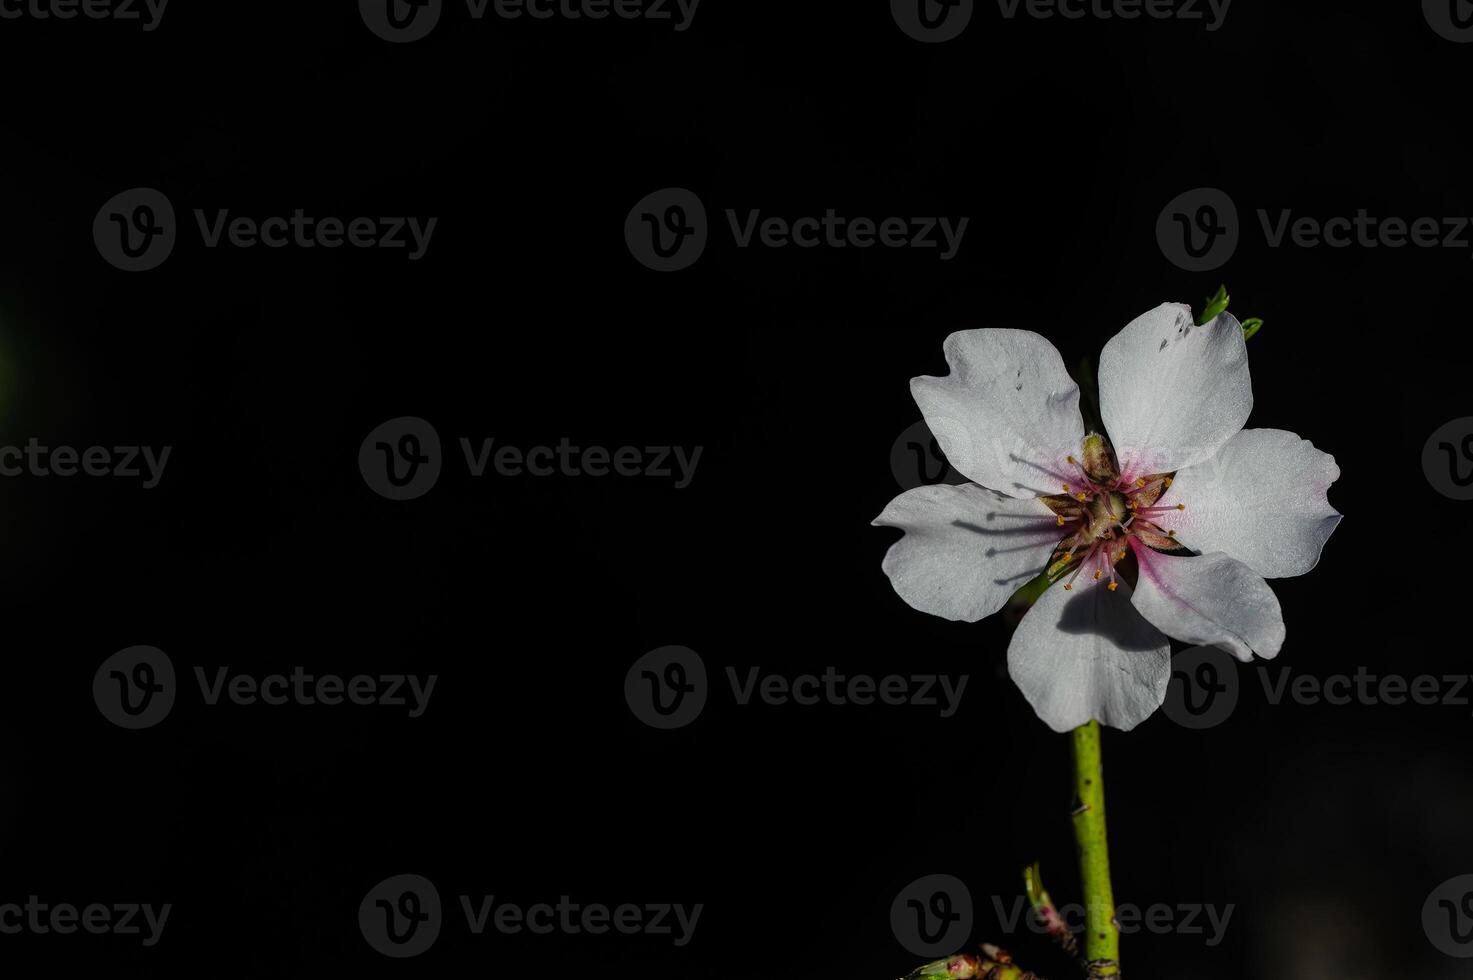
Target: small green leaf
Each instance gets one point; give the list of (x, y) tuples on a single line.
[(1216, 303), (1250, 327)]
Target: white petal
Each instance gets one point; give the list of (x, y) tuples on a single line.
[(1007, 415), (1210, 600), (1262, 499), (966, 549), (1088, 654), (1171, 392)]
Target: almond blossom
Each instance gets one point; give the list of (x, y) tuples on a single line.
[(1165, 525)]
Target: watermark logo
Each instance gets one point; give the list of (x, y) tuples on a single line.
[(1198, 229), (64, 918), (401, 458), (134, 688), (918, 458), (1447, 917), (675, 463), (834, 230), (572, 918), (666, 688), (1452, 20), (1213, 11), (1160, 919), (400, 916), (1204, 687), (1447, 459), (135, 230), (666, 230), (1205, 682), (932, 21), (125, 462), (149, 13), (932, 916), (400, 21)]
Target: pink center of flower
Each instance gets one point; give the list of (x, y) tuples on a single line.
[(1106, 515)]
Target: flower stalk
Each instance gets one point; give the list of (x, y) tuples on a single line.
[(1102, 932)]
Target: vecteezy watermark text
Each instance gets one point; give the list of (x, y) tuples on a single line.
[(136, 230), (402, 916), (1206, 685), (667, 688), (402, 21), (1212, 10), (1182, 919), (401, 459), (67, 461), (568, 459), (934, 21), (148, 12), (1199, 231), (667, 230), (836, 231), (135, 688), (64, 918)]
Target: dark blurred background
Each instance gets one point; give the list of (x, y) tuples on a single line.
[(528, 320)]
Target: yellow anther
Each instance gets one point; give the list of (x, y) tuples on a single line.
[(1120, 555), (1073, 461), (1113, 586), (1140, 482), (1167, 481), (1061, 520), (1081, 497), (1181, 506), (1068, 586), (1171, 534), (1068, 489), (1098, 573)]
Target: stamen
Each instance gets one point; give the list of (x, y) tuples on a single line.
[(1141, 486), (1069, 586), (1061, 520), (1160, 510)]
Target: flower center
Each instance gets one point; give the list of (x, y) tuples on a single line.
[(1104, 516), (1105, 510)]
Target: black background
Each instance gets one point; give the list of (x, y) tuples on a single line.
[(528, 321)]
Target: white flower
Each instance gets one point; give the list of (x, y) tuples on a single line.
[(1206, 508)]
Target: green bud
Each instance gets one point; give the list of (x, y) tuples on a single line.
[(1100, 464), (1216, 303)]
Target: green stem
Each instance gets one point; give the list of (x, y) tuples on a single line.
[(1102, 934)]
